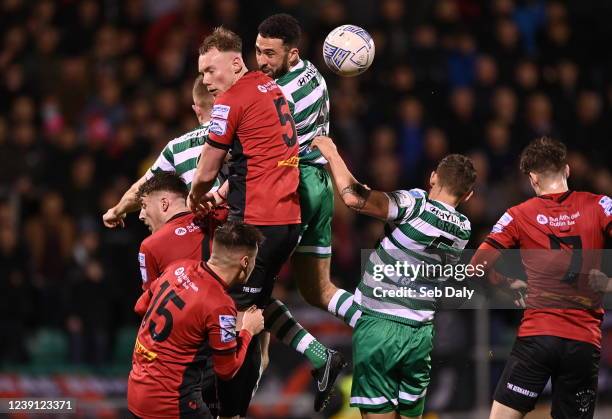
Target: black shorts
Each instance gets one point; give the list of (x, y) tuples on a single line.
[(279, 242), (571, 365), (235, 395)]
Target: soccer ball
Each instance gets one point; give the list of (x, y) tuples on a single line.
[(348, 50)]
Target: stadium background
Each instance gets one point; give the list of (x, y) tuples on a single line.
[(90, 92)]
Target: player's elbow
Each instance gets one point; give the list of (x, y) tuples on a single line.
[(352, 201)]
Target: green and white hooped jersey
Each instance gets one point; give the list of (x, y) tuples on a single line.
[(306, 92), (182, 154), (419, 232)]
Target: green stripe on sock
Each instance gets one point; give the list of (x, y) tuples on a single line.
[(297, 338), (351, 312)]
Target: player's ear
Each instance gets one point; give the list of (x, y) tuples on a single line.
[(293, 54), (534, 180), (433, 179), (244, 262), (567, 171), (165, 204), (237, 64)]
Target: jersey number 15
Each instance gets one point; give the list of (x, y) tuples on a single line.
[(161, 310)]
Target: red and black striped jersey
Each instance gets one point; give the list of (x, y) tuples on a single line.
[(188, 317), (253, 119), (182, 237), (577, 221)]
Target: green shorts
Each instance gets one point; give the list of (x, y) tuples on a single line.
[(391, 365), (317, 205)]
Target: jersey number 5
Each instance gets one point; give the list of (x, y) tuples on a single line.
[(285, 117), (161, 310)]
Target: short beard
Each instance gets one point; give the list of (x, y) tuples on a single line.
[(283, 69)]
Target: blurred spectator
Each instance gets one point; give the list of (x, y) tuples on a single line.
[(506, 47), (89, 299), (461, 60), (50, 239), (411, 131), (538, 118), (462, 123)]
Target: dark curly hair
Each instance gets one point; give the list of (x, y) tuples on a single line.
[(281, 26), (543, 155)]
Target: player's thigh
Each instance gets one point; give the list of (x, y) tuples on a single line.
[(415, 368), (499, 411), (235, 394), (278, 244), (317, 208), (574, 387), (375, 382), (532, 362), (388, 415)]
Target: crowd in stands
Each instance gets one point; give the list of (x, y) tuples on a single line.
[(91, 91)]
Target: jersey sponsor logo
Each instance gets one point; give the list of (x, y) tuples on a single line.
[(291, 162), (269, 86), (141, 259), (606, 204), (563, 220), (180, 231), (183, 279), (501, 223), (220, 111), (521, 390), (191, 227), (309, 74), (143, 274), (228, 327), (218, 126), (139, 348)]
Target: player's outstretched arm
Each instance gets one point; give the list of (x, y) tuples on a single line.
[(354, 194), (211, 161), (129, 202)]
